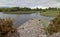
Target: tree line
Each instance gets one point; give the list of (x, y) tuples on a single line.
[(26, 9)]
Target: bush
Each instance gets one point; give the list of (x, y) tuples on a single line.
[(54, 25), (5, 26)]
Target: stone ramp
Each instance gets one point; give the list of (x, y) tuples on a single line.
[(32, 28)]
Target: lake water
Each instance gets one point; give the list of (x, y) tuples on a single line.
[(19, 19)]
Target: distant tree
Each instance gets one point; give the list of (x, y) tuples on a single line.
[(41, 9), (52, 8)]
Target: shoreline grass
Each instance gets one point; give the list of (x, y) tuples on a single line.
[(44, 22), (50, 13), (20, 12)]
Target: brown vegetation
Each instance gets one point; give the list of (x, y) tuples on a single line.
[(6, 27), (54, 25)]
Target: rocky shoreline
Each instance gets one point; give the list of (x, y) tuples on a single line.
[(32, 28)]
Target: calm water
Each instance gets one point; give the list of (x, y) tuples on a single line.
[(19, 19)]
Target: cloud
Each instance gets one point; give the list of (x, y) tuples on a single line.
[(8, 3), (39, 3), (30, 3)]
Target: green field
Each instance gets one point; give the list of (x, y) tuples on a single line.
[(50, 13)]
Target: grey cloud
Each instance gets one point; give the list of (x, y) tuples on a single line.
[(30, 3)]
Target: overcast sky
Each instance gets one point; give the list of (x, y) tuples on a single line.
[(30, 3)]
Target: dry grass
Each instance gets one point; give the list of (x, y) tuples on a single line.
[(5, 27)]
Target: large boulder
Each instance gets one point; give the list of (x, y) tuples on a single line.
[(31, 28)]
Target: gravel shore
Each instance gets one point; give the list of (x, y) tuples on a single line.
[(32, 28)]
